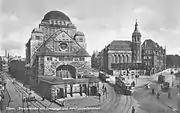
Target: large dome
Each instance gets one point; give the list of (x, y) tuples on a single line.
[(56, 15)]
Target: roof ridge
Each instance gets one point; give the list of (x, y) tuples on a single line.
[(44, 43), (121, 40)]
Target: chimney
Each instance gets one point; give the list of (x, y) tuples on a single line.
[(5, 52), (145, 43)]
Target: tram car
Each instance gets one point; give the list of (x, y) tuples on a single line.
[(29, 99), (122, 87), (103, 77), (161, 79)]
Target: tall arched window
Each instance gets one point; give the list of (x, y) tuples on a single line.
[(123, 61), (112, 58), (119, 59), (127, 58), (116, 58)]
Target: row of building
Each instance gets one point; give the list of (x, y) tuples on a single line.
[(6, 59), (148, 57)]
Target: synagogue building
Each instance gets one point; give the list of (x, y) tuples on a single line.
[(56, 58)]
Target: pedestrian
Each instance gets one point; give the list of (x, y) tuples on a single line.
[(133, 110), (105, 91), (4, 84), (99, 95), (158, 95), (103, 86), (172, 84), (153, 92), (43, 98), (169, 95), (133, 84), (62, 103)]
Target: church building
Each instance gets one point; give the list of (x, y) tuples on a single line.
[(122, 55), (56, 58)]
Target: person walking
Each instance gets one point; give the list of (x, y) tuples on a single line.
[(99, 95), (153, 92), (133, 84), (105, 90), (169, 95), (43, 98), (133, 109), (158, 95)]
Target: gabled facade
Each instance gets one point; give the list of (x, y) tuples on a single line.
[(123, 55), (154, 56)]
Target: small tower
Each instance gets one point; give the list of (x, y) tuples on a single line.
[(80, 38), (36, 40), (136, 45), (5, 52)]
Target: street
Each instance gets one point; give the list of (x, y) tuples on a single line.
[(141, 99), (150, 103), (113, 104), (89, 56), (16, 105)]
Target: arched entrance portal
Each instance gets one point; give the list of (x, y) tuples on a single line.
[(93, 90), (66, 71)]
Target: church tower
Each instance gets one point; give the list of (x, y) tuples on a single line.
[(136, 45)]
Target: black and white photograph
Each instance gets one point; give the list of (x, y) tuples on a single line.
[(89, 56)]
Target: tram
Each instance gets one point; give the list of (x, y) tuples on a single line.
[(122, 87), (102, 76)]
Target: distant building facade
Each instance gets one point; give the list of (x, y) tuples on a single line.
[(121, 55), (4, 63), (56, 56), (154, 56), (95, 62)]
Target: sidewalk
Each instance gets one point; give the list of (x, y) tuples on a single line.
[(76, 100), (140, 82), (87, 101), (39, 98)]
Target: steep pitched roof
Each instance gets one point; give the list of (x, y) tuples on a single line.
[(150, 44), (43, 50), (82, 52), (120, 45)]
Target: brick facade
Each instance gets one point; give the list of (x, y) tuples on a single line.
[(56, 42), (121, 55)]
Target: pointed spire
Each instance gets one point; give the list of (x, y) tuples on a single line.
[(136, 31), (136, 22), (136, 26)]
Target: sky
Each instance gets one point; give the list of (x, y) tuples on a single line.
[(102, 21)]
